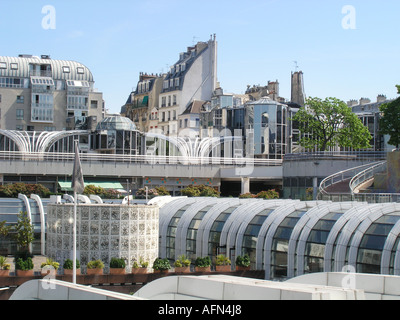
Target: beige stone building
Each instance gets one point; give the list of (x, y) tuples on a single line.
[(142, 104), (42, 94)]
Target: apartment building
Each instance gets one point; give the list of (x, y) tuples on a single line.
[(42, 94)]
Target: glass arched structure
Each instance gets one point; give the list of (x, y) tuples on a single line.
[(286, 238), (35, 207)]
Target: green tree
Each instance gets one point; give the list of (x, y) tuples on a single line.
[(330, 122), (24, 231), (390, 122)]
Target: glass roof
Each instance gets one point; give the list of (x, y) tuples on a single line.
[(116, 123)]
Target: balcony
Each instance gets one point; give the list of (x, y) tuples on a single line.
[(40, 73)]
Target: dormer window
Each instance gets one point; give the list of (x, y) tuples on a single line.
[(66, 69)]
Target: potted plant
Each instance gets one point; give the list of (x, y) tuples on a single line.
[(141, 267), (243, 263), (68, 267), (223, 264), (117, 266), (203, 264), (24, 267), (182, 265), (48, 266), (4, 267), (95, 267), (161, 265)]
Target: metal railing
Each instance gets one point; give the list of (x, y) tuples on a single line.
[(138, 159), (362, 197), (337, 155), (342, 176), (366, 175)]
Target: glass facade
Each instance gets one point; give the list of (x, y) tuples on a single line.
[(280, 244), (191, 234), (372, 244), (269, 120), (315, 247), (171, 232), (251, 234), (323, 241), (215, 232)]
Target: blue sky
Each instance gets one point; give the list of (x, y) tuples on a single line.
[(258, 41)]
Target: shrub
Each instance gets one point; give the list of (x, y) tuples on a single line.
[(182, 261), (101, 192), (50, 262), (3, 264), (161, 264), (12, 190), (95, 264), (203, 262), (117, 263), (68, 264), (151, 193), (243, 261), (222, 260), (200, 191), (24, 265), (162, 191), (247, 196), (270, 194)]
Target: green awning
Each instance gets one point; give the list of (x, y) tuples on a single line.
[(66, 185)]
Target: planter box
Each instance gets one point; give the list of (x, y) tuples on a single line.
[(160, 271), (117, 271), (25, 273), (203, 269), (47, 272), (4, 273), (223, 268), (96, 272), (239, 268), (68, 272), (139, 270), (182, 269)]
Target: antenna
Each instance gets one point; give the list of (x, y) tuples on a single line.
[(194, 39), (296, 65)]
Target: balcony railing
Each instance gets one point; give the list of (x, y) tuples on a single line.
[(138, 159)]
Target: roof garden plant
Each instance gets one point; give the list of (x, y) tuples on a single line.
[(243, 261), (161, 265)]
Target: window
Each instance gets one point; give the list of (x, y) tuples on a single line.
[(177, 82), (20, 114), (93, 104), (80, 70), (20, 99), (14, 66), (3, 65), (174, 99), (19, 128), (66, 69)]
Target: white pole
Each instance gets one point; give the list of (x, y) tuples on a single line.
[(74, 241)]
